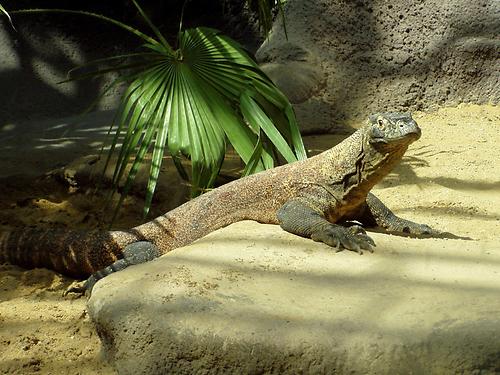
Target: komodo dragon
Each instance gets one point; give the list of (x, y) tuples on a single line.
[(310, 198)]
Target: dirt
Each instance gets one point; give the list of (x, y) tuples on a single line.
[(454, 171)]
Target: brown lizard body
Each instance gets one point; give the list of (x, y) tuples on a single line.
[(307, 198)]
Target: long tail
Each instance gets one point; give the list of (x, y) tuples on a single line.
[(70, 252), (82, 253)]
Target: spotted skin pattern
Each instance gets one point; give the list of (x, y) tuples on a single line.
[(310, 198)]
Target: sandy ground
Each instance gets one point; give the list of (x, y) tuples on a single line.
[(449, 179)]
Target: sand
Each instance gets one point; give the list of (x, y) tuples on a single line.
[(450, 179)]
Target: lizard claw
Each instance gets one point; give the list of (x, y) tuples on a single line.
[(353, 238), (356, 229), (79, 288)]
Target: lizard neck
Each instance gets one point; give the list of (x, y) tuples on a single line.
[(370, 167)]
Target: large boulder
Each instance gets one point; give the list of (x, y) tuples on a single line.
[(379, 55), (254, 299)]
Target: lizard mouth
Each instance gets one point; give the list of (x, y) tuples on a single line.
[(410, 136)]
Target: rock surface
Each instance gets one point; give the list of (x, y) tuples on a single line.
[(38, 55), (361, 56), (380, 55), (296, 71), (448, 179), (251, 298)]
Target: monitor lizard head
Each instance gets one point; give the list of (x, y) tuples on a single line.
[(392, 130)]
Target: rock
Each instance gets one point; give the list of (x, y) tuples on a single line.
[(295, 71), (385, 56), (86, 173), (253, 299), (36, 57)]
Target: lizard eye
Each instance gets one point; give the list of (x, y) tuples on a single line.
[(380, 123)]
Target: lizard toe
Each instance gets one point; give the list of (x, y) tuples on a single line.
[(352, 238), (369, 242), (366, 243), (356, 229), (350, 243), (329, 236), (76, 288)]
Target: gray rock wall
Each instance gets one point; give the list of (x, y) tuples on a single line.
[(45, 47), (36, 57), (343, 59), (379, 55)]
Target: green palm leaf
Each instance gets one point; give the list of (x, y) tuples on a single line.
[(265, 13), (194, 99), (2, 10)]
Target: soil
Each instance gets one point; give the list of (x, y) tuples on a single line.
[(453, 170)]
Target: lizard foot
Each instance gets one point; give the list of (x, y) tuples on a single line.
[(134, 253), (353, 238), (416, 229), (78, 288)]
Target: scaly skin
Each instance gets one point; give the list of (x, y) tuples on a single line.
[(308, 198)]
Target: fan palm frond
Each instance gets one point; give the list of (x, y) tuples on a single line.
[(2, 10), (192, 101), (265, 10)]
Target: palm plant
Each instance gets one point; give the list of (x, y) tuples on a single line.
[(191, 100), (3, 11), (265, 12)]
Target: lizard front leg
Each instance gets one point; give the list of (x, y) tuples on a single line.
[(307, 219), (377, 213)]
